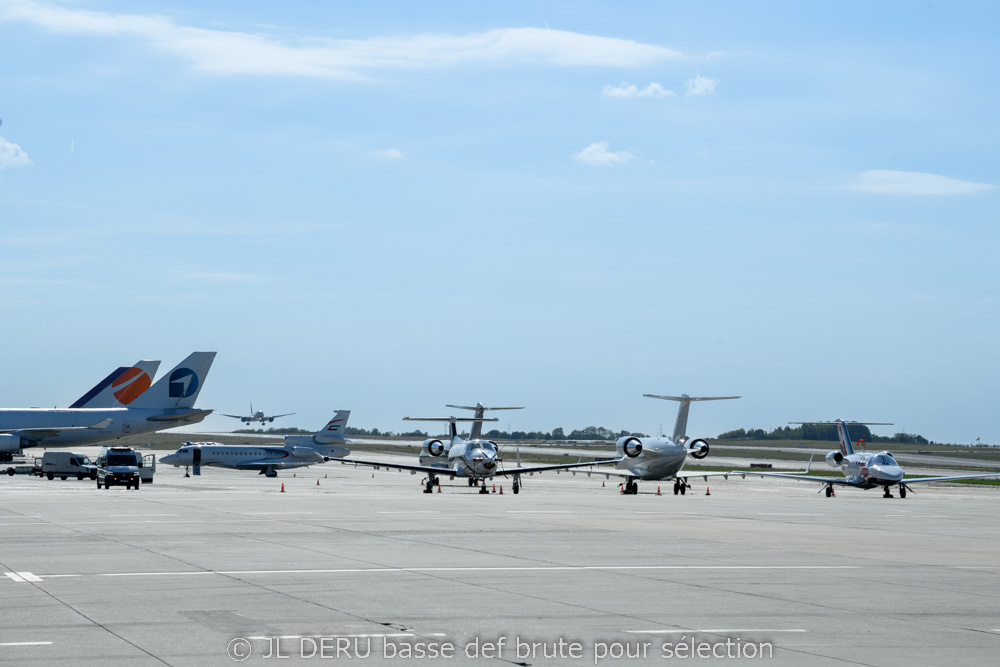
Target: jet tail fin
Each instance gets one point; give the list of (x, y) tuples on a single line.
[(121, 387), (180, 387), (333, 432), (477, 427), (846, 447), (680, 426)]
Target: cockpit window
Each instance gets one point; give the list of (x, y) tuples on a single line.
[(885, 460)]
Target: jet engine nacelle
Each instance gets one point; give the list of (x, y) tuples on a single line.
[(434, 447), (629, 446), (306, 454), (10, 443), (697, 448), (834, 458)]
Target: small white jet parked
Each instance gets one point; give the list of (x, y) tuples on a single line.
[(474, 459), (862, 470), (662, 458), (257, 416), (297, 451)]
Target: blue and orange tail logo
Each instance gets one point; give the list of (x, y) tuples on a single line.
[(131, 384), (132, 381)]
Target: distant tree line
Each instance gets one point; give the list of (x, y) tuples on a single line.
[(820, 432)]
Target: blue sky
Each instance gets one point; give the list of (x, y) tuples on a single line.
[(392, 206)]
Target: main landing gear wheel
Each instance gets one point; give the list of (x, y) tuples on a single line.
[(887, 494), (677, 487), (902, 491), (829, 491), (517, 484), (429, 486), (631, 488)]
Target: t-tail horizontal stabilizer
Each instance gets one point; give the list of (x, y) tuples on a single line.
[(680, 426)]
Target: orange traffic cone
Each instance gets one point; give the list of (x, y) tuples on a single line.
[(439, 486), (833, 494), (501, 489), (658, 491), (707, 492), (602, 483), (317, 481), (282, 487), (494, 488)]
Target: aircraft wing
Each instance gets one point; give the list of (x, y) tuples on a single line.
[(38, 434), (234, 416), (918, 480), (287, 414), (808, 478), (628, 474), (188, 417), (448, 471), (398, 466), (557, 466), (275, 463)]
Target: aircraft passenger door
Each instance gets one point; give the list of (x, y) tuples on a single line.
[(196, 460)]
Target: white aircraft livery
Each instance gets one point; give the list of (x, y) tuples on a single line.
[(476, 460), (166, 404), (862, 470), (662, 458), (297, 452)]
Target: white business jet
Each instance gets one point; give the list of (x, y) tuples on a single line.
[(862, 470)]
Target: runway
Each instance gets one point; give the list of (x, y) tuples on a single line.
[(186, 570)]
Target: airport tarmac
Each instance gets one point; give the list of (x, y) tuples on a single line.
[(186, 570)]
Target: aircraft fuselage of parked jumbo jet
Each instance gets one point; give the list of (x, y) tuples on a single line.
[(296, 452), (662, 458), (862, 470), (166, 404), (476, 460)]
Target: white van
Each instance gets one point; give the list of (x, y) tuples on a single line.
[(66, 464)]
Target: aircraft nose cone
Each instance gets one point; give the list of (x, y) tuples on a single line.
[(489, 464), (889, 473)]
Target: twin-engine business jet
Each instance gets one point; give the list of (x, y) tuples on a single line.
[(298, 451), (862, 470), (166, 404), (257, 416), (474, 459), (661, 459)]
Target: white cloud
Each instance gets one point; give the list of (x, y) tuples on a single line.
[(230, 52), (631, 90), (390, 154), (11, 155), (886, 182), (598, 155), (700, 85)]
